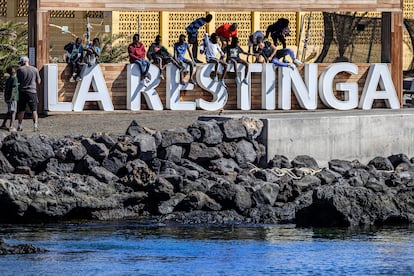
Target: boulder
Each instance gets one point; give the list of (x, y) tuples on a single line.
[(245, 153), (199, 152), (280, 162), (207, 132), (97, 151), (32, 152), (198, 201), (381, 163), (176, 136), (147, 149), (305, 161), (234, 129), (344, 205), (231, 196), (253, 127)]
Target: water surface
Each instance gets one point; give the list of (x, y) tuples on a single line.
[(128, 248)]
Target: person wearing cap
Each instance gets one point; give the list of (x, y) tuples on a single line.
[(28, 78), (225, 32)]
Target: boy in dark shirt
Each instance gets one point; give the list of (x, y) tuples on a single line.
[(74, 57), (159, 55), (233, 52)]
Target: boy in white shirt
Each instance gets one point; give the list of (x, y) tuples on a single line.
[(211, 48)]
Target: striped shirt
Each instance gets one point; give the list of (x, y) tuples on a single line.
[(195, 25)]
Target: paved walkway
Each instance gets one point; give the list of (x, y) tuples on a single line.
[(88, 122)]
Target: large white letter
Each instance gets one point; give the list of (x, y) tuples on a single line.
[(306, 94), (51, 90), (173, 88), (205, 82), (92, 75), (350, 90), (268, 87), (134, 88), (379, 74)]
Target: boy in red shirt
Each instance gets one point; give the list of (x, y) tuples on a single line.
[(137, 53), (225, 32)]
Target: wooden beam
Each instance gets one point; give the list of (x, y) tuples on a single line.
[(396, 53), (38, 42), (220, 5)]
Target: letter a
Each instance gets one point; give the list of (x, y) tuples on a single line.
[(379, 74), (92, 75)]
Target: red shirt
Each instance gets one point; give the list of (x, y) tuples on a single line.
[(136, 51), (224, 31)]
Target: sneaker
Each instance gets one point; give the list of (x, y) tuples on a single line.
[(291, 66), (297, 62), (19, 129), (246, 81), (223, 84), (237, 79), (78, 79), (12, 129), (215, 79), (35, 129), (72, 79)]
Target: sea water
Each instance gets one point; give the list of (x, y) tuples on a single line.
[(130, 248)]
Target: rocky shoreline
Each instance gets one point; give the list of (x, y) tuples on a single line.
[(210, 172)]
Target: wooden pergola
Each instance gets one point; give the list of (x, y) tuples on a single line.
[(391, 10)]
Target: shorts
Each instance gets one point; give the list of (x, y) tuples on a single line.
[(11, 106), (192, 38), (237, 59), (27, 99)]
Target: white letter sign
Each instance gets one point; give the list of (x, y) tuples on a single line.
[(92, 75)]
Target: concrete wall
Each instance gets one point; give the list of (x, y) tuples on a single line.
[(349, 135)]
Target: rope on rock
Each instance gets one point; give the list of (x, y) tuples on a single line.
[(279, 172)]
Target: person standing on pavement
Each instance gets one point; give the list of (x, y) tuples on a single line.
[(11, 96), (28, 78), (192, 33)]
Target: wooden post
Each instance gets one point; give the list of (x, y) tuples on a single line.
[(391, 47), (396, 52), (38, 42)]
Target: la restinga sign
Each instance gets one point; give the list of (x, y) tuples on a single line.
[(305, 90)]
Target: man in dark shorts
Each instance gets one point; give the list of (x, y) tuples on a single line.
[(28, 77)]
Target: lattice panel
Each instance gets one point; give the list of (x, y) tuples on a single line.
[(268, 18), (408, 9), (62, 14), (3, 8), (149, 26), (95, 14), (22, 8), (316, 28), (177, 22), (243, 20)]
